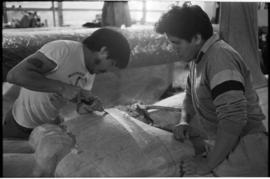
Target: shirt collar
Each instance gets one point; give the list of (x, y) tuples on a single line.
[(206, 46)]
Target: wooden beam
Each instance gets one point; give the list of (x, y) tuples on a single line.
[(53, 11), (60, 13), (144, 12), (5, 12)]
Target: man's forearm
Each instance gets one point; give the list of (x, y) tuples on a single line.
[(37, 82), (225, 143)]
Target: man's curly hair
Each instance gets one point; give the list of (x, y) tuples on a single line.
[(185, 22)]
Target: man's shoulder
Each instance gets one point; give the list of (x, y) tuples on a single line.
[(221, 51), (223, 57), (60, 47), (65, 42), (222, 47)]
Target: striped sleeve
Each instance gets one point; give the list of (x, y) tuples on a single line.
[(227, 79), (227, 88)]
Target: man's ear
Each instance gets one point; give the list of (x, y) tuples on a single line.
[(103, 52), (197, 39)]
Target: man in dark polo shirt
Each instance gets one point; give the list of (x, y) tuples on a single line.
[(220, 93)]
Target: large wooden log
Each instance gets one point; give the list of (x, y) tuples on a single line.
[(114, 145), (118, 145)]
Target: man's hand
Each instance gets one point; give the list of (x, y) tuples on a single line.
[(97, 105), (69, 92), (195, 166), (87, 102), (181, 131)]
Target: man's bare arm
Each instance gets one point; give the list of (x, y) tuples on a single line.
[(31, 74)]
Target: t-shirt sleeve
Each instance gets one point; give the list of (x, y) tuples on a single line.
[(57, 51), (226, 80)]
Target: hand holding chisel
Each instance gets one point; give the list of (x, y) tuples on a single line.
[(87, 103)]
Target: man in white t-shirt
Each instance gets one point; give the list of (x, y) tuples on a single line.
[(61, 71)]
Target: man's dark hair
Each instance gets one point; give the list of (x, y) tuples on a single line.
[(115, 42), (185, 22)]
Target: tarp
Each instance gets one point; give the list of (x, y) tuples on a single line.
[(239, 27)]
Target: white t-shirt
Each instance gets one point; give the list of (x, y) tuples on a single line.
[(34, 108)]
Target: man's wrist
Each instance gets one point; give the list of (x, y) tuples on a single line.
[(59, 90)]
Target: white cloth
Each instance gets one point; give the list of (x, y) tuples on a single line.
[(33, 108)]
